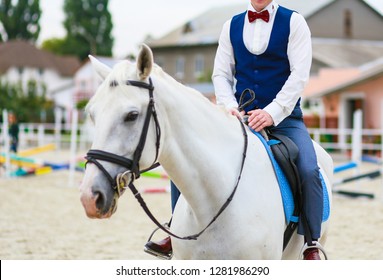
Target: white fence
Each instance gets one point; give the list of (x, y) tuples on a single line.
[(355, 140), (40, 134), (32, 135), (325, 137)]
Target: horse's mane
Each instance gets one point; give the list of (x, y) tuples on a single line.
[(125, 70), (184, 89)]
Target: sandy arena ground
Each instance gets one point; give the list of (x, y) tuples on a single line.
[(42, 218)]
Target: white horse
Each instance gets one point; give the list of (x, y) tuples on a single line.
[(193, 149)]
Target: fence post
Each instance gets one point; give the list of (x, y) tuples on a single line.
[(40, 137), (317, 135), (73, 146), (357, 137), (22, 136), (58, 126), (7, 162)]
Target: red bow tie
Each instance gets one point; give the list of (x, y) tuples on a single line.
[(262, 15)]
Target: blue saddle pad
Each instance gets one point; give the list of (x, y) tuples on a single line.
[(287, 195)]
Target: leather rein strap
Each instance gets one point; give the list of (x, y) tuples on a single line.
[(133, 165), (223, 207)]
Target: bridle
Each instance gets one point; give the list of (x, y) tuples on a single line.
[(131, 165), (119, 183)]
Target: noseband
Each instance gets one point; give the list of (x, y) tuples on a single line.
[(132, 165)]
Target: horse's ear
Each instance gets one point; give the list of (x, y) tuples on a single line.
[(101, 69), (144, 62)]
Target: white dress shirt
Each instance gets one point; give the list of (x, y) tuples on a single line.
[(256, 37)]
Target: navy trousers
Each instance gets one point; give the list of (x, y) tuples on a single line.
[(312, 191), (295, 129)]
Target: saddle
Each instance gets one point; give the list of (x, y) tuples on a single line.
[(285, 152)]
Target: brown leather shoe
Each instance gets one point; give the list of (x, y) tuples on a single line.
[(161, 249), (311, 254)]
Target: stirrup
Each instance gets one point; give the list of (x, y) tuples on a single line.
[(154, 253), (317, 245)]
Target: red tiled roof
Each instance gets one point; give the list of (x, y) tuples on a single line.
[(328, 78), (24, 54)]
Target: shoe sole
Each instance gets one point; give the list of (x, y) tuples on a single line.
[(158, 255)]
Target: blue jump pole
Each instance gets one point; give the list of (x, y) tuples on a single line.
[(345, 166)]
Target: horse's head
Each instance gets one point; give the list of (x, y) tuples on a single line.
[(123, 113)]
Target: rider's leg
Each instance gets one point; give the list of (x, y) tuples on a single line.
[(164, 248), (309, 172)]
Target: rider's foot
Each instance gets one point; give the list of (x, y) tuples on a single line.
[(311, 254), (162, 249)]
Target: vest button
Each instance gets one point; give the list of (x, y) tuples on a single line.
[(256, 71), (256, 86)]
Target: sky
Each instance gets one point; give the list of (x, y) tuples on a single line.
[(133, 20)]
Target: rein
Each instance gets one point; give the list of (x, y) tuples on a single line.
[(132, 166)]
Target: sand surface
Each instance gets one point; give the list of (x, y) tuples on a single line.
[(42, 218)]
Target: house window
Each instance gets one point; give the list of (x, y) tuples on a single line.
[(347, 23), (199, 66), (180, 67)]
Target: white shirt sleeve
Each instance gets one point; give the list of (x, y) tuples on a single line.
[(224, 70)]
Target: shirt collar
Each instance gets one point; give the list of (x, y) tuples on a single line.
[(271, 7)]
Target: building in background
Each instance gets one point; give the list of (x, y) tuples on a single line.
[(346, 34), (21, 62)]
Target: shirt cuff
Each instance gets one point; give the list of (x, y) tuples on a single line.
[(276, 112), (231, 105)]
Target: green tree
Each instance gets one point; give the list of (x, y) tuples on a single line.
[(89, 26), (20, 19), (54, 45), (28, 103)]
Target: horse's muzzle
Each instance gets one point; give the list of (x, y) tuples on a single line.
[(98, 203)]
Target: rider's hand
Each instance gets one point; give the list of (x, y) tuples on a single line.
[(259, 119)]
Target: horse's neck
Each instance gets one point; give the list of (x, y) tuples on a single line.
[(202, 150)]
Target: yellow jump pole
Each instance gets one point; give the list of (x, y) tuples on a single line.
[(37, 150)]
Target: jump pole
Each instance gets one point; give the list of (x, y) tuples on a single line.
[(345, 166), (370, 175), (37, 150)]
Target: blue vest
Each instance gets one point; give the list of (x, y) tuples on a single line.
[(266, 73)]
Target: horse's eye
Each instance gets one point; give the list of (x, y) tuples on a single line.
[(131, 116)]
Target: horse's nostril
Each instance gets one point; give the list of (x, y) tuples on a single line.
[(100, 200)]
